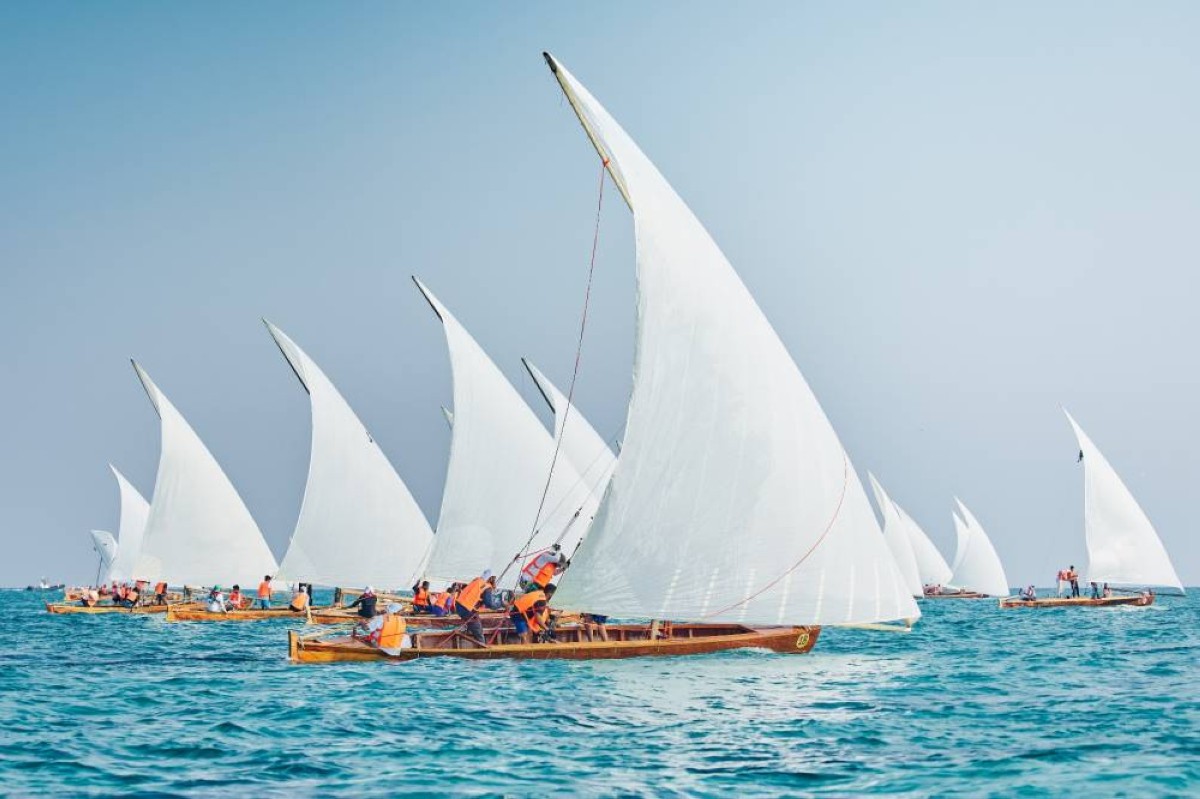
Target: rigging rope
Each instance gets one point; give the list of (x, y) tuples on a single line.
[(587, 296)]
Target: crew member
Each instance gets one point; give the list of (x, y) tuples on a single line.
[(299, 602), (264, 592), (540, 570), (530, 615), (386, 631), (421, 597), (236, 599), (366, 603), (216, 600), (160, 592), (467, 605)]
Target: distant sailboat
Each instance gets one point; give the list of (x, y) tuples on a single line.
[(1123, 548), (932, 568), (358, 523), (582, 445), (499, 457), (106, 547), (199, 531), (895, 532), (733, 502), (134, 512), (977, 569)]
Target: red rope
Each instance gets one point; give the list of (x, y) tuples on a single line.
[(587, 297), (836, 512)]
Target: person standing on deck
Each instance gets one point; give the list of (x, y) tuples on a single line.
[(366, 603), (541, 569), (467, 605), (160, 592), (1062, 582), (264, 593), (1073, 576)]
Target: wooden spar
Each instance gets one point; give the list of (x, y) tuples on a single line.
[(957, 595), (625, 641), (1139, 600)]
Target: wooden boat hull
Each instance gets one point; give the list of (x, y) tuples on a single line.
[(197, 612), (69, 608), (625, 641), (1137, 600), (957, 595)]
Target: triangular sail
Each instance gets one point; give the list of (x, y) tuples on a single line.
[(583, 446), (932, 568), (977, 567), (1123, 547), (106, 547), (896, 535), (134, 512), (733, 498), (499, 458), (199, 531), (358, 523)]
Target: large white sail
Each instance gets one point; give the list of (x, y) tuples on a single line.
[(733, 499), (199, 531), (358, 523), (583, 446), (977, 567), (106, 547), (896, 535), (134, 512), (500, 455), (932, 568), (1123, 547)]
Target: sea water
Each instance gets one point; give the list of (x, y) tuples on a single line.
[(975, 701)]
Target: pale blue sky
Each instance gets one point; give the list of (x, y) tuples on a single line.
[(958, 216)]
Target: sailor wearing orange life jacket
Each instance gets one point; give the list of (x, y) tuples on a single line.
[(468, 602), (540, 570), (235, 598), (264, 592), (421, 597), (160, 592), (386, 631), (530, 614), (441, 603), (300, 600)]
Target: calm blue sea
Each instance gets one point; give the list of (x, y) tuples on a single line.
[(976, 701)]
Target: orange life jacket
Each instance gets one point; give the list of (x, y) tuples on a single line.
[(264, 590), (299, 602), (236, 598), (524, 606), (545, 574), (420, 598), (160, 588), (471, 596), (392, 632)]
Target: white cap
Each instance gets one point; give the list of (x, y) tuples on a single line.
[(394, 608)]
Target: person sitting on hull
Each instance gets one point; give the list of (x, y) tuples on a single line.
[(421, 597), (366, 603), (300, 600), (387, 631), (1029, 593), (236, 600), (216, 601), (89, 597)]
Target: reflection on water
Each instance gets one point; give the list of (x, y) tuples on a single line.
[(974, 701)]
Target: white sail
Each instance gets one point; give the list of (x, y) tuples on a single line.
[(358, 523), (105, 546), (134, 512), (1123, 547), (199, 531), (583, 446), (733, 499), (962, 540), (896, 535), (977, 567), (932, 568), (500, 455)]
